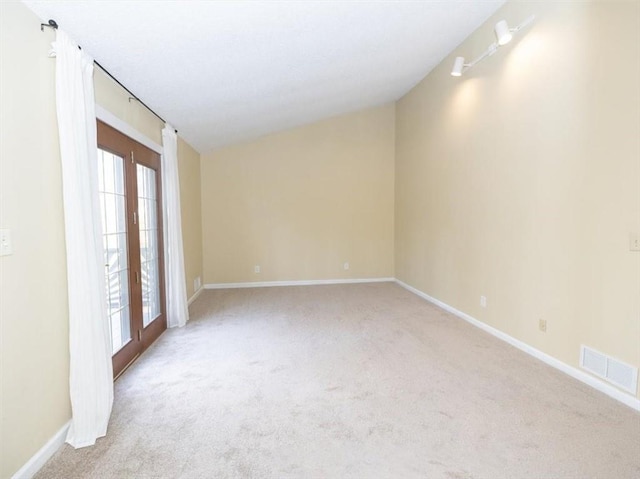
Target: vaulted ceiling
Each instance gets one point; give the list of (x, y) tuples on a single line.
[(226, 71)]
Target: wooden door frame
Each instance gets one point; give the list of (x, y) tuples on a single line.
[(151, 159), (135, 153)]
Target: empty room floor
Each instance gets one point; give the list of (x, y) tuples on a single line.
[(349, 381)]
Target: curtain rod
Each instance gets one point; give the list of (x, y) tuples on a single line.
[(53, 24)]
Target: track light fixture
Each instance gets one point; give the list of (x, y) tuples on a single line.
[(504, 34), (458, 66)]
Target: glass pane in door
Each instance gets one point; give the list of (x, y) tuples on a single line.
[(148, 222), (114, 238)]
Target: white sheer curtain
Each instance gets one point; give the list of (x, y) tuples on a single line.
[(90, 372), (177, 308)]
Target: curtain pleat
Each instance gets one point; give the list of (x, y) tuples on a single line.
[(90, 370), (176, 291)]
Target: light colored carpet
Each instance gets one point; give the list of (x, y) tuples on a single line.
[(349, 381)]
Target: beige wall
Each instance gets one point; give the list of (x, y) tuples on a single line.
[(303, 202), (114, 98), (34, 348), (520, 180), (33, 296), (189, 173)]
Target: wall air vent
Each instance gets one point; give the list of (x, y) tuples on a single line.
[(610, 369)]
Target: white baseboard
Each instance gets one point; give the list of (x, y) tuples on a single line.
[(313, 282), (575, 373), (195, 296), (36, 462)]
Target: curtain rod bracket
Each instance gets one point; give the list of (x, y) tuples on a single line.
[(51, 24)]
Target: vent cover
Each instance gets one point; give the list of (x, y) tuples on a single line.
[(610, 369)]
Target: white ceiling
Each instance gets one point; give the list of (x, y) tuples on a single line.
[(227, 71)]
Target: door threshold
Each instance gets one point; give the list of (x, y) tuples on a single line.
[(126, 367)]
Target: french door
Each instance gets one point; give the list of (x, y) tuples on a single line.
[(131, 207)]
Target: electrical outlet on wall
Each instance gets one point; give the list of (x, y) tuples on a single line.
[(542, 325), (346, 266), (483, 301), (197, 283), (256, 269)]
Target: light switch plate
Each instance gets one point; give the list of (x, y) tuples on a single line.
[(634, 242), (5, 242)]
